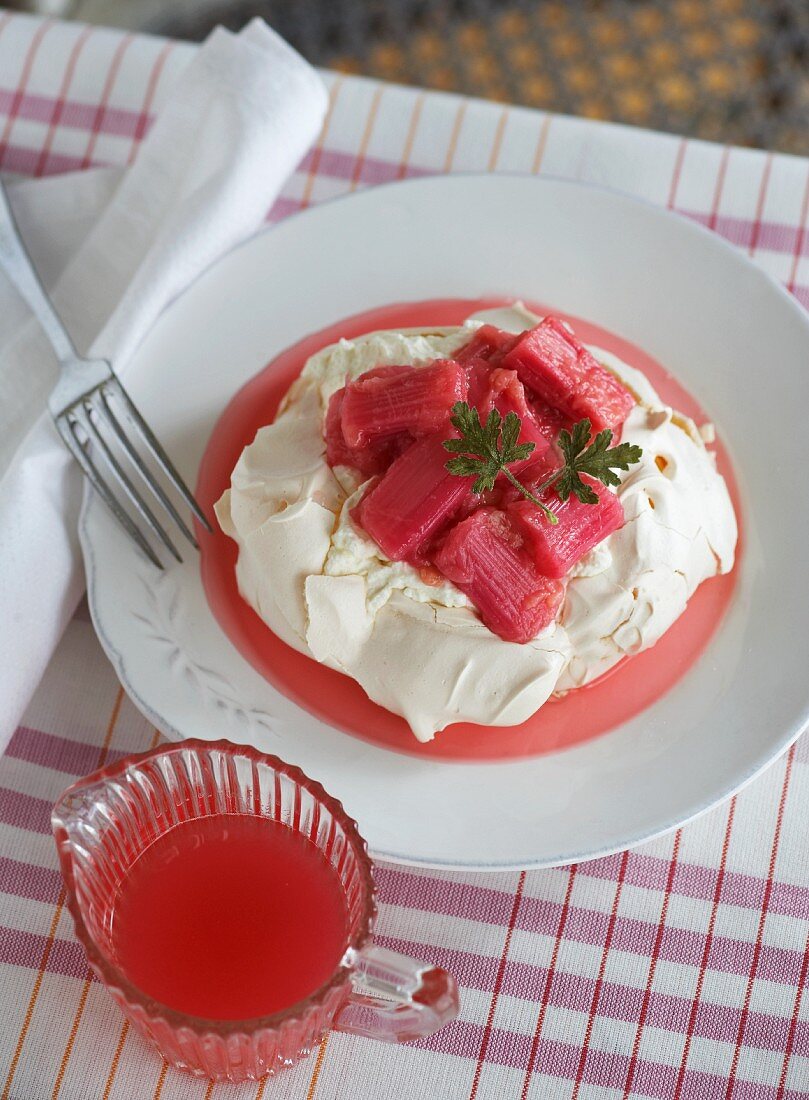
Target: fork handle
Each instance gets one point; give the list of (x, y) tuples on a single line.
[(17, 264)]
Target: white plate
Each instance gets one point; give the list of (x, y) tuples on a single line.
[(730, 334)]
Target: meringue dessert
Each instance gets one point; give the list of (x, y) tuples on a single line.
[(470, 520)]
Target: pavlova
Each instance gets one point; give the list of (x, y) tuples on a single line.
[(470, 520)]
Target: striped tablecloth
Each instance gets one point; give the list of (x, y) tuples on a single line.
[(675, 970)]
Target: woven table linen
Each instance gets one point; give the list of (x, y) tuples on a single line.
[(676, 970)]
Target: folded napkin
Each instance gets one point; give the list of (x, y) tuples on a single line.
[(115, 247)]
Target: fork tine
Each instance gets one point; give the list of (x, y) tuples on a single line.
[(163, 459), (67, 430), (120, 475), (110, 417)]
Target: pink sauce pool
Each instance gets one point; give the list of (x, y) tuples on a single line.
[(230, 917), (624, 692)]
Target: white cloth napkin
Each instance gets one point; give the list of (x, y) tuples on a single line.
[(115, 247)]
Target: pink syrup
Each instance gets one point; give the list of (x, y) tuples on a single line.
[(230, 917), (628, 689)]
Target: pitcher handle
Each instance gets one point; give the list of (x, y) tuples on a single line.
[(395, 998)]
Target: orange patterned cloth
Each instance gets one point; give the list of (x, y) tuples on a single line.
[(723, 70)]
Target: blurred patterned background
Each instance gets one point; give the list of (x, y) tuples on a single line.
[(727, 70)]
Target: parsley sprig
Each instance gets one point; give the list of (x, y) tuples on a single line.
[(484, 451)]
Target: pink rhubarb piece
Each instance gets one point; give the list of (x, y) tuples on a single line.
[(483, 557), (555, 548), (555, 367), (371, 459), (413, 501), (382, 403), (488, 343), (506, 394)]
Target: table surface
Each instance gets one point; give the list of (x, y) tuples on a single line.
[(675, 970)]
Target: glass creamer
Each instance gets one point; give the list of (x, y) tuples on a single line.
[(214, 837)]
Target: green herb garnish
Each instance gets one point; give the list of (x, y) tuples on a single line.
[(599, 460), (484, 451)]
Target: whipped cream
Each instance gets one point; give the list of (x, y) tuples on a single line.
[(418, 649), (354, 553)]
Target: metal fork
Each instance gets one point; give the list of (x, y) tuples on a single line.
[(82, 405)]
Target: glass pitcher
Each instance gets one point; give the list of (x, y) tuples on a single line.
[(104, 822)]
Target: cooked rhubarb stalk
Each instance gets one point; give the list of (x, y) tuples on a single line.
[(371, 459), (482, 556), (555, 548), (506, 394), (477, 381), (560, 371), (415, 400), (549, 421), (488, 343), (338, 453), (413, 500)]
